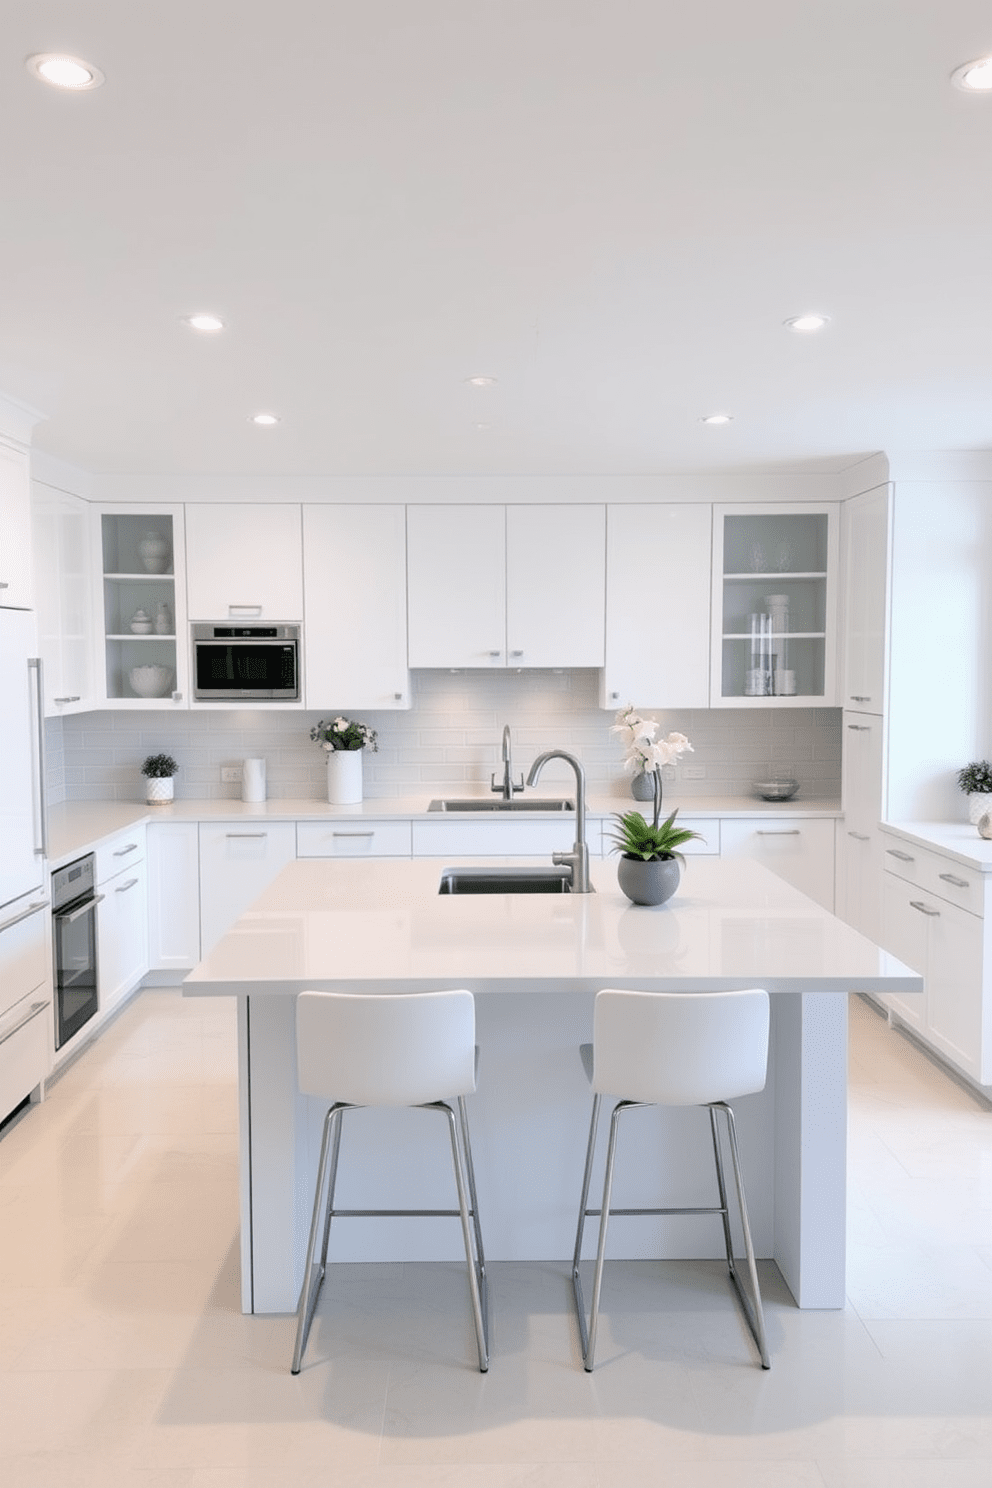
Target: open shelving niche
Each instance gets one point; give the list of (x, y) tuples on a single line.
[(129, 586)]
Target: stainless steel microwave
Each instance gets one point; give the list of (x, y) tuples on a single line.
[(246, 663)]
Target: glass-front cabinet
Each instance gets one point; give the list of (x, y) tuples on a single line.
[(774, 606), (143, 594)]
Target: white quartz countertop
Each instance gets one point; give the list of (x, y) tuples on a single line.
[(958, 840), (381, 925), (76, 827)]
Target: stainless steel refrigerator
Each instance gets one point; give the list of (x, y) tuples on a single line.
[(26, 1038)]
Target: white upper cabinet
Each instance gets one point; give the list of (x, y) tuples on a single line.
[(142, 620), (866, 561), (63, 593), (354, 635), (244, 562), (496, 586), (774, 621), (658, 566), (16, 570)]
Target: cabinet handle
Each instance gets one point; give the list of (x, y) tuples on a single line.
[(933, 914), (244, 609), (177, 697), (40, 772), (246, 834), (67, 699), (495, 653), (860, 728), (856, 699), (25, 914), (951, 878), (122, 852), (516, 653), (352, 834), (859, 836), (614, 697), (784, 832), (32, 1012), (894, 852), (129, 885), (4, 584), (398, 696)]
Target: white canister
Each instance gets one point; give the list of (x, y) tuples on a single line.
[(253, 780)]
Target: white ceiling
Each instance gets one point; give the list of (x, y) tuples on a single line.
[(609, 205)]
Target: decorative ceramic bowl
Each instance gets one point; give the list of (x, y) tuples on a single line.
[(776, 790), (150, 681)]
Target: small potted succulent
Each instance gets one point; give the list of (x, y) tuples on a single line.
[(650, 863), (976, 782), (158, 770), (344, 739)]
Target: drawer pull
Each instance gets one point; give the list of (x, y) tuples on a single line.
[(951, 878), (859, 836), (925, 909), (894, 852), (352, 834), (857, 698), (246, 834), (32, 909), (67, 699), (495, 653), (860, 728), (235, 610), (122, 852), (129, 885), (783, 832), (32, 1012)]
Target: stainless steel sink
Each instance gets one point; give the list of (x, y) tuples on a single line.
[(505, 881), (529, 803)]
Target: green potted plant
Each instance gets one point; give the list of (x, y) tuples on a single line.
[(158, 770), (976, 782), (650, 862), (344, 739)]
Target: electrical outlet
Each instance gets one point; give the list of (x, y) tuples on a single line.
[(230, 774), (693, 772)]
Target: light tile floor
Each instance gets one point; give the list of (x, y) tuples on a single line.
[(124, 1358)]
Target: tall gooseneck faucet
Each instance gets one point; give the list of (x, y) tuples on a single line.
[(507, 787), (578, 858)]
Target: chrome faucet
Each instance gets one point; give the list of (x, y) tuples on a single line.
[(578, 858), (507, 786)]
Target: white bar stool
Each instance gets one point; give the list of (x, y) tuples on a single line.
[(673, 1049), (413, 1049)]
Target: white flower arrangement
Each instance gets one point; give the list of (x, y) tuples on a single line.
[(643, 750), (344, 733)]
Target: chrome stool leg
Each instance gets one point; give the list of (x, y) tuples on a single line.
[(310, 1290), (474, 1275), (753, 1310)]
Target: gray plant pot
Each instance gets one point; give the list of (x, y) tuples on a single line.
[(650, 882)]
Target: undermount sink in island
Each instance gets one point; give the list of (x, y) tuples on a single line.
[(534, 962)]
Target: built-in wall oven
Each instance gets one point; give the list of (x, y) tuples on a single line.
[(74, 902)]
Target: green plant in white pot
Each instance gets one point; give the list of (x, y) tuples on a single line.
[(976, 782), (159, 770), (650, 864)]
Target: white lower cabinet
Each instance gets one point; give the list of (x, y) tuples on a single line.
[(121, 917), (799, 850), (447, 836), (933, 919), (173, 896), (238, 859), (348, 838)]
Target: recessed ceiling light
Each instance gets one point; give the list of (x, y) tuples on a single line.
[(808, 322), (974, 77), (264, 420), (483, 426), (204, 322), (480, 381), (717, 418), (63, 71)]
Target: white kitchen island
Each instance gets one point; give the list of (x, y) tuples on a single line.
[(535, 962)]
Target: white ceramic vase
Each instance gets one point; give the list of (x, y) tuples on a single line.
[(153, 550), (978, 803), (159, 790), (344, 777)]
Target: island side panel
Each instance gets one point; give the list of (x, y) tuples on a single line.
[(810, 1055)]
